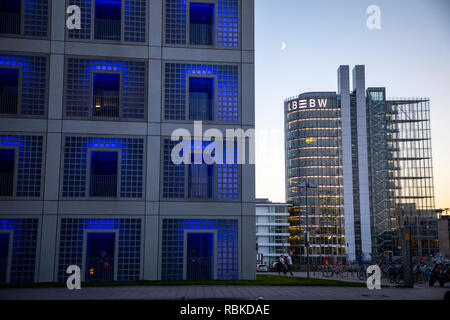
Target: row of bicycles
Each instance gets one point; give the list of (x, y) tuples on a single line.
[(437, 272)]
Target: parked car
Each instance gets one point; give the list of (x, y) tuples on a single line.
[(262, 268)]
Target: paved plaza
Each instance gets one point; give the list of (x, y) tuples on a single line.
[(224, 293)]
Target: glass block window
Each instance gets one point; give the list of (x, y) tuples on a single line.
[(173, 175), (85, 31), (227, 89), (228, 24), (79, 75), (29, 163), (33, 84), (228, 177), (226, 180), (135, 12), (175, 23), (226, 27), (36, 18), (75, 164), (25, 240), (129, 252), (135, 25), (172, 251)]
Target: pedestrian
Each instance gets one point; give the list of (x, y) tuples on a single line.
[(280, 264), (289, 264)]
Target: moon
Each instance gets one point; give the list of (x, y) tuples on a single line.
[(283, 46)]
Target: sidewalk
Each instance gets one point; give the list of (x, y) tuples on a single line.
[(223, 293)]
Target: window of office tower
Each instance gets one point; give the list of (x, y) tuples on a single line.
[(108, 17), (201, 24), (106, 94), (10, 16), (201, 98), (103, 179), (6, 172), (9, 89)]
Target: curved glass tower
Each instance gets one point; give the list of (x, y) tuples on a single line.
[(314, 161)]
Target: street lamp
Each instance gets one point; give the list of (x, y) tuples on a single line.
[(306, 185)]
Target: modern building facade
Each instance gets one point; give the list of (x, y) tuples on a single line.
[(86, 118), (368, 164), (272, 230)]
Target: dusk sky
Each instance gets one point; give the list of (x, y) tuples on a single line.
[(301, 43)]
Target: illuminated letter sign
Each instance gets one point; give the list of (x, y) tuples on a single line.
[(307, 103)]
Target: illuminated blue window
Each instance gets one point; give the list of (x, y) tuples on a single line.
[(108, 14), (7, 157), (28, 161), (106, 95), (201, 98), (172, 247), (4, 249), (103, 177), (24, 237), (108, 20), (10, 15), (201, 26), (107, 77), (227, 89), (33, 82), (131, 170), (129, 250), (9, 90)]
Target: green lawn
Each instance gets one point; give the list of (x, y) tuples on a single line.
[(261, 280)]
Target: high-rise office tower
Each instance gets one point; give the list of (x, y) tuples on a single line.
[(86, 117), (358, 170)]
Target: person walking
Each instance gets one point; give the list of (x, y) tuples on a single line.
[(289, 264), (281, 266)]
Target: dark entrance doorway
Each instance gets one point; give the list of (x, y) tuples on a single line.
[(200, 256), (100, 256), (4, 246)]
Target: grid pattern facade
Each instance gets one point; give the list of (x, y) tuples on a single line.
[(85, 31), (134, 24), (34, 81), (129, 253), (36, 18), (78, 95), (75, 166), (228, 24), (25, 239), (29, 152), (173, 175), (227, 89), (227, 259)]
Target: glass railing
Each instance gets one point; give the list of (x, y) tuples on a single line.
[(8, 102), (99, 269), (200, 109), (3, 270), (200, 268), (107, 29), (103, 185), (10, 22), (107, 106), (6, 184), (201, 34), (200, 190)]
